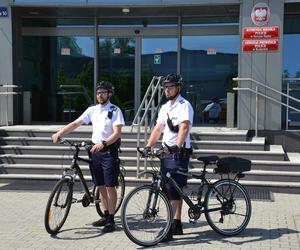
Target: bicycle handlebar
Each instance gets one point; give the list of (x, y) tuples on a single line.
[(154, 153), (84, 144)]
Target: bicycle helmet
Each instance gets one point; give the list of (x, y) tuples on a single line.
[(105, 85), (172, 78)]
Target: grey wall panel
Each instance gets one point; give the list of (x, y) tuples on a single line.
[(6, 69), (274, 69), (265, 67), (245, 69)]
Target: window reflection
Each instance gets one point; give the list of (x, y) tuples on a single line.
[(208, 64), (48, 63), (159, 58), (116, 64)]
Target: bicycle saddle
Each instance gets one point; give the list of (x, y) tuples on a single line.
[(208, 159)]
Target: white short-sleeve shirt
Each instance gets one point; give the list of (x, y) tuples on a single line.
[(102, 124), (180, 111)]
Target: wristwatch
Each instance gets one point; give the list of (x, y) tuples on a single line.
[(104, 143)]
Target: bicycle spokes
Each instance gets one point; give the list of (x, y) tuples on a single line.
[(228, 207)]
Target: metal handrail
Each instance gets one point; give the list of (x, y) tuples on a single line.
[(266, 96), (87, 97), (70, 93), (151, 101), (145, 102)]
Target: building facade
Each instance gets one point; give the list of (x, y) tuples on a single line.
[(54, 52)]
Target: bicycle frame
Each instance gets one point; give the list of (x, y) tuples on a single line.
[(77, 171), (197, 208)]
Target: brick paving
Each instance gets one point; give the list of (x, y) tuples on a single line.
[(273, 225)]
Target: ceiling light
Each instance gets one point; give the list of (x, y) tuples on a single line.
[(125, 11)]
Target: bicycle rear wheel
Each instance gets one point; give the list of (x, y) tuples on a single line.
[(227, 207), (146, 216), (58, 205), (120, 195)]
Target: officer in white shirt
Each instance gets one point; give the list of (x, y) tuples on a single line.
[(174, 120), (107, 120)]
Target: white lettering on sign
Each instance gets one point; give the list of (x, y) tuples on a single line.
[(65, 51)]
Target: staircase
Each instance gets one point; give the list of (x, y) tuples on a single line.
[(28, 154)]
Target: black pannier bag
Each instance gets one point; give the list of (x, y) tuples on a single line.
[(232, 165)]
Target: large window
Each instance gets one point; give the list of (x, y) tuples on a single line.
[(58, 71), (159, 58), (116, 64), (291, 62), (208, 64)]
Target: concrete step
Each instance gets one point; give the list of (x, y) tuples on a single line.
[(8, 152), (276, 152), (197, 133), (254, 144), (47, 141), (133, 181), (131, 171)]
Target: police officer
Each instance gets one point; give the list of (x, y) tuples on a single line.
[(175, 120), (107, 120)]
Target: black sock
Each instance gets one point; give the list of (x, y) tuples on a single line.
[(111, 218), (176, 222), (106, 213)]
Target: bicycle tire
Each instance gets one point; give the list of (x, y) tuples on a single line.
[(235, 207), (120, 195), (58, 205), (142, 225)]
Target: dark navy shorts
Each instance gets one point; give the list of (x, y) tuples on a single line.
[(106, 168), (169, 163)]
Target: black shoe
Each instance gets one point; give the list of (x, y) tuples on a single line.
[(168, 237), (177, 229), (109, 227), (100, 223)]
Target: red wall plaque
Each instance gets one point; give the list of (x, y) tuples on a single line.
[(260, 32), (260, 45)]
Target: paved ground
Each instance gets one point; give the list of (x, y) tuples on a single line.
[(274, 225)]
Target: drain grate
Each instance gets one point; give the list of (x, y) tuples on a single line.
[(260, 194)]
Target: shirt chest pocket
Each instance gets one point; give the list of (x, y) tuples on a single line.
[(107, 123)]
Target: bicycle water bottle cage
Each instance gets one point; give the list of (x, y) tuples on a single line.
[(110, 112), (173, 129)]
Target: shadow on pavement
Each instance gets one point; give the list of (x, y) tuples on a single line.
[(247, 236), (81, 233)]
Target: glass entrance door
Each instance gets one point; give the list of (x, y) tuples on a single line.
[(158, 58), (58, 72), (116, 64)]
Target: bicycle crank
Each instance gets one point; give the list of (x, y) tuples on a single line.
[(194, 215), (85, 201)]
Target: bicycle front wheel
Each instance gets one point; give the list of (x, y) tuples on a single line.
[(146, 216), (58, 205), (120, 195), (227, 207)]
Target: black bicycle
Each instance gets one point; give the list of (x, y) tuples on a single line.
[(147, 215), (61, 197)]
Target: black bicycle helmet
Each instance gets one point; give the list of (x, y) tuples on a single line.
[(172, 78), (105, 85)]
